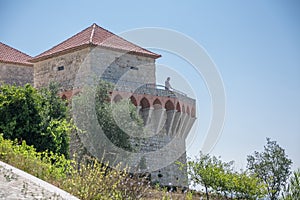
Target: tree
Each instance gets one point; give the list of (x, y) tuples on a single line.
[(19, 116), (198, 171), (218, 176), (38, 117), (222, 174), (207, 171), (56, 125), (292, 191), (272, 166), (128, 118), (246, 186), (53, 106)]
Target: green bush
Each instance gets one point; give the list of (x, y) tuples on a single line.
[(93, 180), (44, 165), (37, 116), (105, 113)]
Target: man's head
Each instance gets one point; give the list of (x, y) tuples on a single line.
[(168, 78)]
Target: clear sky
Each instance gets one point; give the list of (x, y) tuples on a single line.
[(254, 44)]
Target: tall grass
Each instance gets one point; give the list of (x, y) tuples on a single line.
[(92, 180)]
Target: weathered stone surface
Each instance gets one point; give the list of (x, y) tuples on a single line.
[(49, 70), (16, 74), (169, 172), (77, 68)]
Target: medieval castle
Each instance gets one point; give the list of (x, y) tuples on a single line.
[(170, 114)]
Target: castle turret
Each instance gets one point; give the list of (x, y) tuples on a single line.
[(167, 115)]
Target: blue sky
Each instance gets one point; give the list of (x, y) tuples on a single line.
[(254, 44)]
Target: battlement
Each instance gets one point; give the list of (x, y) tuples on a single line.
[(135, 90), (169, 116), (161, 109)]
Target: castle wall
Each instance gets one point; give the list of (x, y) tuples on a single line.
[(16, 74), (50, 70), (159, 151), (74, 68), (166, 147), (123, 69), (169, 126), (172, 174)]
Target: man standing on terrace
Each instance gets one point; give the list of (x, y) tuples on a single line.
[(167, 84)]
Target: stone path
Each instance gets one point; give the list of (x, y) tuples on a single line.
[(18, 185)]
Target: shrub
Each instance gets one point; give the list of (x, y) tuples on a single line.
[(92, 180), (44, 165), (38, 117)]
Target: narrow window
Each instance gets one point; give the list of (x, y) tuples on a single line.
[(134, 68), (60, 68)]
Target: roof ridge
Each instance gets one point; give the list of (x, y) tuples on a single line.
[(92, 33), (115, 35)]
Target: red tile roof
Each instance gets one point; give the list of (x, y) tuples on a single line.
[(95, 36), (14, 56)]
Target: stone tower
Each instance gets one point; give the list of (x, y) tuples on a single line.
[(170, 115)]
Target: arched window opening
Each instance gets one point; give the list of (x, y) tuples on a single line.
[(133, 100), (169, 105), (144, 111), (144, 103), (157, 104)]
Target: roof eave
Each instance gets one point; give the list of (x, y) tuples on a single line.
[(66, 51), (17, 63), (59, 53)]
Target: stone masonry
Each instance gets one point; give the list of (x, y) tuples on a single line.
[(16, 74), (109, 65), (14, 66), (96, 53), (48, 71)]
